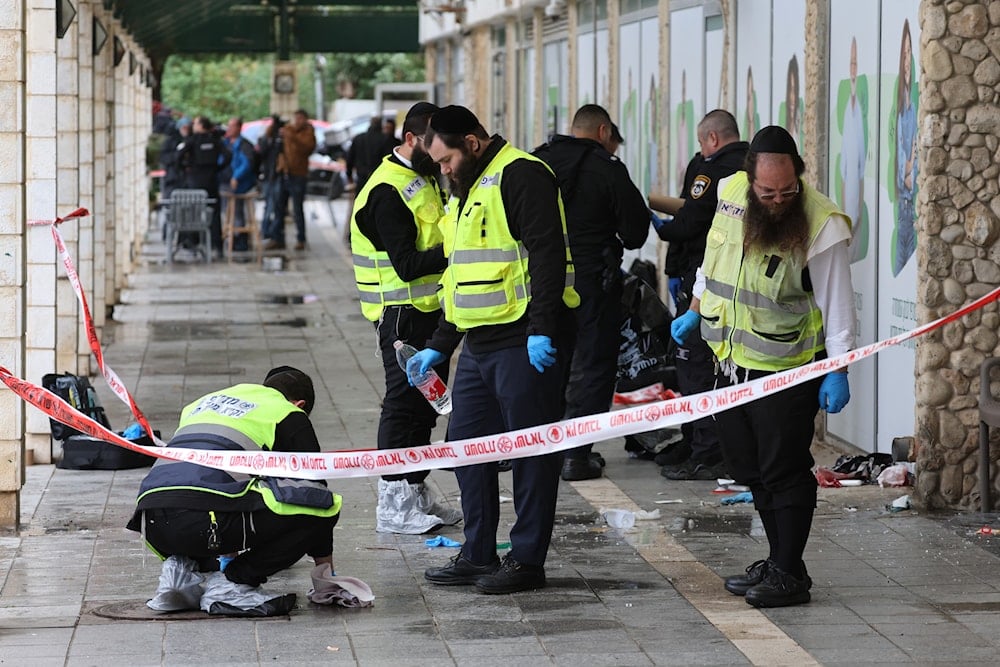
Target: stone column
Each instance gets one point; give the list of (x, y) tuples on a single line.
[(85, 175), (102, 214), (67, 159), (12, 255), (957, 249), (40, 184), (538, 77), (816, 92)]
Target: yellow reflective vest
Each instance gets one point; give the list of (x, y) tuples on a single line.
[(238, 418), (378, 283), (755, 308), (487, 280)]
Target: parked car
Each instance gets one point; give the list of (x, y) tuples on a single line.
[(327, 175)]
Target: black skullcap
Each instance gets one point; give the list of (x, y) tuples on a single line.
[(616, 134), (422, 109), (454, 119), (293, 385), (773, 139)]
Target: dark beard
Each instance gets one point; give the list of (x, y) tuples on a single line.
[(423, 164), (461, 180), (786, 230)]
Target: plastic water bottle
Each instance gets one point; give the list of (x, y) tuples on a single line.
[(430, 383)]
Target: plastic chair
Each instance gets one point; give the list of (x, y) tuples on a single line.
[(189, 213), (989, 415)]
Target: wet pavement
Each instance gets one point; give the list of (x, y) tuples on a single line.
[(889, 588)]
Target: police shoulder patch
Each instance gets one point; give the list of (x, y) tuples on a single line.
[(700, 186)]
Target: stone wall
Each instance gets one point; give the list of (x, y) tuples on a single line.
[(957, 231)]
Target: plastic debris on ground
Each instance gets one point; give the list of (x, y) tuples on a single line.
[(986, 530), (899, 504), (744, 497), (618, 518), (643, 515), (669, 502), (442, 541), (726, 485), (505, 499), (309, 298), (895, 475)]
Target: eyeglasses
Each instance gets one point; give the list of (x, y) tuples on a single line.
[(771, 194)]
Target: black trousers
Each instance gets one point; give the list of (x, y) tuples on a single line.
[(766, 444), (695, 364), (272, 542), (594, 364), (496, 392), (407, 418)]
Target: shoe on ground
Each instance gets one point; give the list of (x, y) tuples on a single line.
[(596, 456), (459, 572), (779, 589), (739, 584), (693, 470), (300, 245), (512, 577), (271, 244), (576, 469), (673, 455)]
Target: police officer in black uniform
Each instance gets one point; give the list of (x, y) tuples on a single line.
[(203, 157), (722, 154), (604, 212)]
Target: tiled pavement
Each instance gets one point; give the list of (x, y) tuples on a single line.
[(889, 588)]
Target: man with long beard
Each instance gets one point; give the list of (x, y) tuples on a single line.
[(773, 293), (398, 260), (508, 291)]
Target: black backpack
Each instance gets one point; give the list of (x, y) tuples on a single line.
[(78, 392)]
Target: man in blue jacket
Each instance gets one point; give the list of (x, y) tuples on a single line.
[(242, 175)]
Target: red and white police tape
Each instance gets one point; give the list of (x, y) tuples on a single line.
[(115, 382), (544, 439)]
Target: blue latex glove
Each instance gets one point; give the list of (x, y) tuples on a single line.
[(442, 541), (681, 328), (133, 432), (421, 362), (657, 221), (834, 393), (674, 285), (541, 354), (745, 497)]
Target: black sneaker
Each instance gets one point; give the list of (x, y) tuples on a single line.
[(512, 577), (596, 456), (739, 584), (459, 572), (779, 589), (694, 470), (674, 454), (575, 470)]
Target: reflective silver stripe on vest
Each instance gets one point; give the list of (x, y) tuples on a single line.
[(800, 306), (773, 348), (487, 300), (570, 278), (715, 334), (488, 255), (720, 289), (364, 262), (401, 294)]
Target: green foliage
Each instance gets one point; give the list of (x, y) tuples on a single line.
[(218, 86), (221, 86)]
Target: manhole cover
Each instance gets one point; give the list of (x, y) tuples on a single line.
[(133, 610)]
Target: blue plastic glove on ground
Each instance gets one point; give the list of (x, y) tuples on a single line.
[(541, 354), (745, 497), (442, 541), (421, 362), (682, 327), (674, 285), (834, 393)]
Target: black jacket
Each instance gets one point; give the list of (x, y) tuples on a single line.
[(387, 222), (529, 193), (687, 231), (203, 156), (604, 209)]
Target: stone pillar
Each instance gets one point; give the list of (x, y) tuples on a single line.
[(40, 184), (513, 38), (957, 242), (85, 175), (478, 73), (538, 77), (12, 255), (816, 92), (67, 159), (614, 25), (572, 58), (102, 213)]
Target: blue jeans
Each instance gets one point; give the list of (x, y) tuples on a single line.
[(294, 187)]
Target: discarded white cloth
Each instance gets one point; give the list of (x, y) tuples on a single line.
[(225, 597), (330, 589), (409, 509)]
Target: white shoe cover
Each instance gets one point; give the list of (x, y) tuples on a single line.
[(398, 510), (180, 586)]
